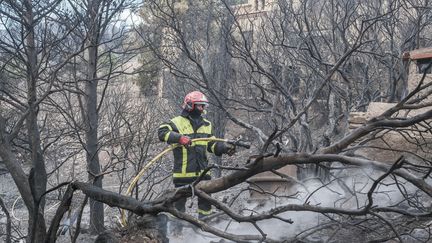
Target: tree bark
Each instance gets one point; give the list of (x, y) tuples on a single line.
[(37, 228), (96, 208)]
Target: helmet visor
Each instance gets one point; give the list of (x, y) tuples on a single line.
[(201, 106), (202, 103)]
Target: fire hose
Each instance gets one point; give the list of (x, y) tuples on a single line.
[(168, 149)]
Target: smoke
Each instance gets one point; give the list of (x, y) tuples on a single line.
[(349, 191)]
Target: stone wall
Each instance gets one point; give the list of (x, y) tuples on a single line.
[(388, 146)]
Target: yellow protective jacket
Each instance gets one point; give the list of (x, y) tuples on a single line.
[(191, 161)]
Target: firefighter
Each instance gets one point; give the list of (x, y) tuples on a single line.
[(190, 159)]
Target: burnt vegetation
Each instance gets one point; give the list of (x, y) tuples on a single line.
[(334, 95)]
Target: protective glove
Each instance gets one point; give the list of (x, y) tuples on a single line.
[(185, 141), (231, 149)]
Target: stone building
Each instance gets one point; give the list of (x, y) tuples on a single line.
[(389, 145)]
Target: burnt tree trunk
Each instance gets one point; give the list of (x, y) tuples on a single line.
[(92, 117), (38, 183)]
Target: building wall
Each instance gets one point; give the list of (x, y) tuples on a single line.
[(388, 146)]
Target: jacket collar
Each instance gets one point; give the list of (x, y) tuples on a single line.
[(197, 121)]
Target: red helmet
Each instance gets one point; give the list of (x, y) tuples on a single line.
[(194, 98)]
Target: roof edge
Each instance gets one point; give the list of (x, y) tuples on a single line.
[(423, 53)]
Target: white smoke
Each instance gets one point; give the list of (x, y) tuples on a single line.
[(350, 192)]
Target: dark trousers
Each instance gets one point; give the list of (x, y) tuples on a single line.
[(204, 206)]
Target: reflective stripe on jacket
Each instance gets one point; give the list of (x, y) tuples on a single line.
[(190, 162)]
